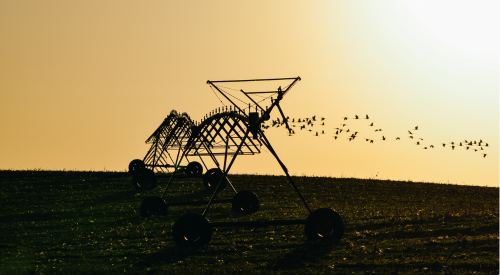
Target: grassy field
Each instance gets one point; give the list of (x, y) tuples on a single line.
[(73, 222)]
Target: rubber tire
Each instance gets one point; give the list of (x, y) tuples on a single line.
[(194, 169), (144, 179), (153, 206), (192, 230), (136, 165), (324, 224), (245, 202), (212, 178)]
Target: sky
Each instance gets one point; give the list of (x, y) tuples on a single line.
[(83, 84)]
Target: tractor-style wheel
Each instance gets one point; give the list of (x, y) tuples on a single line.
[(136, 165), (153, 206), (324, 224), (144, 179), (192, 230), (245, 201), (212, 178), (194, 169)]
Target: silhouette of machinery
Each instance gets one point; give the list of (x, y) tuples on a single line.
[(227, 132), (168, 139)]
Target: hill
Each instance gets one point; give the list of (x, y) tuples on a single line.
[(78, 222)]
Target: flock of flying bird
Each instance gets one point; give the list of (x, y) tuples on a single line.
[(307, 124)]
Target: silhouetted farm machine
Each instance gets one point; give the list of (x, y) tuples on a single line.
[(227, 132), (167, 141)]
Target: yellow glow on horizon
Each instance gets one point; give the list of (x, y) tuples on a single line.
[(83, 84)]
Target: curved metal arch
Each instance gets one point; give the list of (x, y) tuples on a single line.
[(225, 129), (172, 134)]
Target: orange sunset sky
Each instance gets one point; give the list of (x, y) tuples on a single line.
[(83, 84)]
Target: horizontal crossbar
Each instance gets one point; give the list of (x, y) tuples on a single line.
[(257, 223)]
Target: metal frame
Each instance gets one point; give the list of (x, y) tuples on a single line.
[(237, 134), (171, 135)]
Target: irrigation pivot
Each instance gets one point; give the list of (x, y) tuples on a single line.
[(167, 140), (232, 130)]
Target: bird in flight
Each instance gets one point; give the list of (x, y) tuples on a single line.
[(367, 117)]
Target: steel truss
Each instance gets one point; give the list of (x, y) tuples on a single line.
[(229, 133)]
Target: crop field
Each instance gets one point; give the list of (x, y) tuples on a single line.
[(71, 222)]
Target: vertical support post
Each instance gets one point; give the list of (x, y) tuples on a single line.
[(177, 162)]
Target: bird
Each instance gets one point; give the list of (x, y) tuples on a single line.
[(343, 125), (371, 141), (371, 124), (411, 137), (323, 124), (425, 147), (316, 133), (322, 118), (322, 131), (347, 131), (345, 118), (484, 155), (397, 138), (383, 137), (444, 144), (418, 143), (335, 137), (431, 146), (314, 118), (416, 128), (410, 132), (367, 117), (452, 147), (356, 117)]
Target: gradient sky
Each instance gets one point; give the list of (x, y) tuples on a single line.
[(84, 83)]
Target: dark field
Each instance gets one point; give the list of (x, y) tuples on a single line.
[(89, 222)]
